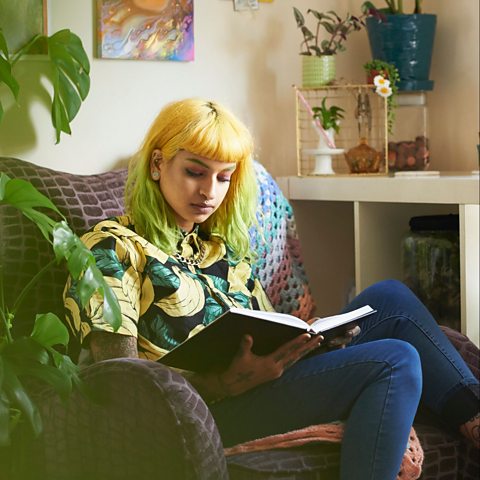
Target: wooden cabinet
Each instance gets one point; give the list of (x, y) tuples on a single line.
[(351, 230)]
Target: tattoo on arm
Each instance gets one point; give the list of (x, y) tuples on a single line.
[(105, 345)]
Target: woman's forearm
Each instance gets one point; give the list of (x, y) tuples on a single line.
[(105, 345), (209, 385)]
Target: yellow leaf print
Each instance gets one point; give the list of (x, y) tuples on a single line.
[(187, 300), (214, 251), (74, 314), (238, 277)]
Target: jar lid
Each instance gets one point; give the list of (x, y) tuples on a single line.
[(448, 222)]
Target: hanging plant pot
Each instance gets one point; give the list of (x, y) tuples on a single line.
[(318, 70), (407, 42)]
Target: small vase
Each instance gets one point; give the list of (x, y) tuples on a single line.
[(318, 71), (363, 158), (323, 154)]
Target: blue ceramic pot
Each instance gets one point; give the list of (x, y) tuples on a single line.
[(407, 42)]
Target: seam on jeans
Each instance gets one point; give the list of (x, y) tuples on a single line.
[(282, 379), (387, 396)]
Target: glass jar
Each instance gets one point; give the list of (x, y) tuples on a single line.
[(409, 145), (430, 257)]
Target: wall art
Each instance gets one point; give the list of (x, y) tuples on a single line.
[(145, 29), (21, 20)]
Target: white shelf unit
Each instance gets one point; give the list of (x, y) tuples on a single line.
[(375, 211)]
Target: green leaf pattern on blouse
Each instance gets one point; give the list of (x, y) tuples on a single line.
[(162, 300)]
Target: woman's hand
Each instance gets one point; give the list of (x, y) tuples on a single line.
[(248, 370), (342, 341)]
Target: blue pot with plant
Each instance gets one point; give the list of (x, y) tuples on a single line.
[(403, 39)]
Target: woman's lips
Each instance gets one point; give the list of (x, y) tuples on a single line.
[(202, 208)]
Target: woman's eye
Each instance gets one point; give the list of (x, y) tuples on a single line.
[(224, 179), (193, 173)]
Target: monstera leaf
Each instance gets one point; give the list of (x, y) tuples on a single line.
[(37, 355), (69, 76)]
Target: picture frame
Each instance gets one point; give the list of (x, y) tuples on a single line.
[(21, 20), (145, 30)]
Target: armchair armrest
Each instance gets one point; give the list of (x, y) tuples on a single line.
[(145, 421)]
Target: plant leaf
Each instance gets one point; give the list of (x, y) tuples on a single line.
[(58, 379), (49, 331), (64, 241), (298, 17), (71, 81), (22, 194), (4, 416), (6, 76), (19, 398), (4, 179), (23, 350), (111, 309)]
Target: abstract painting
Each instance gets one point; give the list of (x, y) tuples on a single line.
[(145, 29)]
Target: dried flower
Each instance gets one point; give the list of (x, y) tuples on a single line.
[(380, 81)]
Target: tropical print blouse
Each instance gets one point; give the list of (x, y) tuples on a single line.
[(163, 299)]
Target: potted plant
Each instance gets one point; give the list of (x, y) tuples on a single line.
[(384, 74), (403, 39), (35, 357), (69, 67), (318, 56), (329, 119)]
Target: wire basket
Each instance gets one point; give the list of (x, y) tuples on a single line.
[(359, 147)]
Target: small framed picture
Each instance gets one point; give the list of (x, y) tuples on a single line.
[(21, 20), (240, 5), (145, 30)]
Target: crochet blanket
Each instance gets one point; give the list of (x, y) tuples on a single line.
[(410, 469)]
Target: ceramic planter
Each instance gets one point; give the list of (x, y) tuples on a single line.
[(407, 42), (318, 71)]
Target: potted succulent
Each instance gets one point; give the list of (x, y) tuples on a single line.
[(403, 39), (36, 356), (318, 56), (69, 67), (329, 119)]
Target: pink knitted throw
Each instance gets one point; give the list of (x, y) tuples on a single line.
[(410, 469)]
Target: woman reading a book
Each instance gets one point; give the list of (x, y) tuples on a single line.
[(181, 256)]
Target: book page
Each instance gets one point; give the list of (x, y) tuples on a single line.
[(327, 323), (272, 316)]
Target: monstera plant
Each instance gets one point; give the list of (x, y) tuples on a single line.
[(69, 74), (37, 356)]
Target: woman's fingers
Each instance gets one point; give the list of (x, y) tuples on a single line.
[(297, 348)]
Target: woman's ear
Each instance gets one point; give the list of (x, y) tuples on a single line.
[(155, 160)]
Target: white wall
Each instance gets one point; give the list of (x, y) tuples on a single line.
[(249, 61)]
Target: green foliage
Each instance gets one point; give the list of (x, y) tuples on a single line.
[(389, 71), (337, 31), (36, 356), (329, 117), (394, 7), (69, 74)]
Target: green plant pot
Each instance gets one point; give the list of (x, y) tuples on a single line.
[(407, 42), (318, 71)]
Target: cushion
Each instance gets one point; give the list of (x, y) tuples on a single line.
[(83, 199)]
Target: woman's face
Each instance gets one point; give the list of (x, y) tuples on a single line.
[(192, 185)]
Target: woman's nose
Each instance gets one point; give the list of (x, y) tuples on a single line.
[(207, 189)]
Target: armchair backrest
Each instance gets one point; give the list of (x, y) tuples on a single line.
[(87, 199)]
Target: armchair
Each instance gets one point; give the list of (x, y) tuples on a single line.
[(147, 421)]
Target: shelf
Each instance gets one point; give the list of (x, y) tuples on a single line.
[(445, 189), (353, 226)]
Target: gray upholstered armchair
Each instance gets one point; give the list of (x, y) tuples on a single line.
[(146, 421)]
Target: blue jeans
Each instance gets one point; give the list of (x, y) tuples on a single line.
[(374, 386)]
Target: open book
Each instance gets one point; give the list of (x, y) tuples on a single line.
[(214, 347)]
